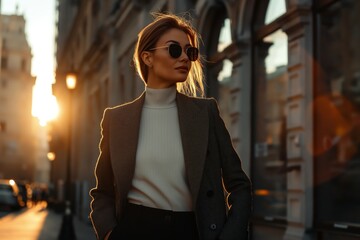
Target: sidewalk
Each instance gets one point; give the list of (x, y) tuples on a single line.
[(38, 223), (52, 227)]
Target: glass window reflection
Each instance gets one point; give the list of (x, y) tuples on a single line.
[(278, 52), (270, 130), (337, 116)]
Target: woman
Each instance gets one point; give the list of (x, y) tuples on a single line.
[(166, 159)]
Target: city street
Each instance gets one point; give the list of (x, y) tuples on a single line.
[(37, 223)]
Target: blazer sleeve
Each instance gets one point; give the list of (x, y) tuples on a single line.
[(236, 183), (103, 213)]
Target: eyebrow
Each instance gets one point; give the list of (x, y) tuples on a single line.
[(173, 41)]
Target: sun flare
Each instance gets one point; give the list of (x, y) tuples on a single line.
[(44, 105)]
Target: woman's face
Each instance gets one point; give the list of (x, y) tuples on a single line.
[(164, 70)]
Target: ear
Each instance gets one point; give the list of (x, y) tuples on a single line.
[(147, 58)]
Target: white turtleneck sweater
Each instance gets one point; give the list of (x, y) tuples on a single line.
[(160, 178)]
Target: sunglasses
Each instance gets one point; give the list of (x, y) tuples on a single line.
[(175, 51)]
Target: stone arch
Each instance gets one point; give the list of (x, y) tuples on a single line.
[(208, 13), (259, 9), (244, 18), (211, 15)]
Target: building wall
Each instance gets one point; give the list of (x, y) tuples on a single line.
[(17, 146), (264, 71)]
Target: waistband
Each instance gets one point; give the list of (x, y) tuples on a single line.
[(137, 209)]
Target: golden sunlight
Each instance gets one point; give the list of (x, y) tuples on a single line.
[(44, 104)]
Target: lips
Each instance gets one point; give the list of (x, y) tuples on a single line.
[(182, 68)]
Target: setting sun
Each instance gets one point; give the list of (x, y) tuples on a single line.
[(44, 105)]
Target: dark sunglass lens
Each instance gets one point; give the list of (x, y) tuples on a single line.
[(175, 50), (192, 53)]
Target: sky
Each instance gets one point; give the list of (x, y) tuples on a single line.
[(40, 31)]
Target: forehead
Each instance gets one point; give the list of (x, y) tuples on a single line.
[(175, 34)]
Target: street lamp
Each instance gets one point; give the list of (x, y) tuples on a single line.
[(70, 84), (67, 228), (71, 81), (51, 156)]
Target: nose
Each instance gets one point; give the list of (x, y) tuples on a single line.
[(184, 57)]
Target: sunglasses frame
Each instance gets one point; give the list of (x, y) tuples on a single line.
[(189, 55)]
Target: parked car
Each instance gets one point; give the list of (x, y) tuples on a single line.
[(25, 192), (10, 197)]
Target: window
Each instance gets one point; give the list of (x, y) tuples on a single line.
[(225, 35), (219, 69), (224, 75), (269, 116), (270, 130), (223, 42), (337, 116), (275, 9)]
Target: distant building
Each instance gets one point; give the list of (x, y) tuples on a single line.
[(19, 145), (286, 74)]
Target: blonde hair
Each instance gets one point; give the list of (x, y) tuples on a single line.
[(147, 39)]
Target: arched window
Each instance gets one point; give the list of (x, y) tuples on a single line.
[(224, 41), (218, 65), (218, 37), (269, 115), (225, 35), (275, 9)]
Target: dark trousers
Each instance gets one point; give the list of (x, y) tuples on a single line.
[(139, 222)]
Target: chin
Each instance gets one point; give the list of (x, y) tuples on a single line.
[(181, 80)]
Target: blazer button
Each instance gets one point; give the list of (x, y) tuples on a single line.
[(210, 193), (213, 226)]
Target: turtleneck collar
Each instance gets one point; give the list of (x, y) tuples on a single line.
[(160, 98)]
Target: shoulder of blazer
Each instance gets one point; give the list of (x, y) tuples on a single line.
[(199, 101), (136, 103)]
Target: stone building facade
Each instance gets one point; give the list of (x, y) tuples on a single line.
[(18, 143), (287, 78)]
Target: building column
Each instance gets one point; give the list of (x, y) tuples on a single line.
[(299, 124), (240, 98)]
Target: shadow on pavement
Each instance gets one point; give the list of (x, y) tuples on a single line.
[(52, 226)]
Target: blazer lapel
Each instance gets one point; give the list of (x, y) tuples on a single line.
[(194, 128), (125, 134)]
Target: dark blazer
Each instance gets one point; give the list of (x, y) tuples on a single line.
[(211, 163)]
